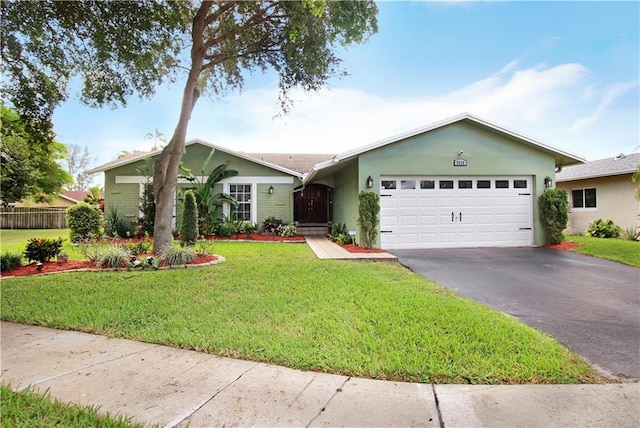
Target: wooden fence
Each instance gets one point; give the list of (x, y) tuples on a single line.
[(32, 218)]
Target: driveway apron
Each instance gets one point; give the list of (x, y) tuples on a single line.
[(590, 305)]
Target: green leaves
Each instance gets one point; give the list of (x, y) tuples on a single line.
[(554, 214)]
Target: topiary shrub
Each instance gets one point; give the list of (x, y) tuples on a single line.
[(368, 210), (554, 214), (603, 229), (189, 226), (84, 220), (42, 249), (10, 261)]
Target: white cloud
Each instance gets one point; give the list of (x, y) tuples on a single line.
[(609, 96), (340, 119)]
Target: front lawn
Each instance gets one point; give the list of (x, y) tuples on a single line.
[(277, 303), (32, 409), (618, 250)]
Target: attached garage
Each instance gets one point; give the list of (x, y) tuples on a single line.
[(449, 211), (461, 182)]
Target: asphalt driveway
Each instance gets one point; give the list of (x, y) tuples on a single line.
[(590, 305)]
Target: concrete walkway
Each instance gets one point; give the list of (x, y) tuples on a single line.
[(326, 249), (176, 388)]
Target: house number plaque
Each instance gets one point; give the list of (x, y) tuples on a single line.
[(459, 162)]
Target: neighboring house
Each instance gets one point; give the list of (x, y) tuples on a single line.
[(461, 182), (601, 189), (63, 200)]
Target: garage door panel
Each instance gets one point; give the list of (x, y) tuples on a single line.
[(408, 202), (430, 202), (409, 220)]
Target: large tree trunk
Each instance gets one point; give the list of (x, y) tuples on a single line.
[(165, 174)]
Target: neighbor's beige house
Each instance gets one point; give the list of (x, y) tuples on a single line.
[(601, 189)]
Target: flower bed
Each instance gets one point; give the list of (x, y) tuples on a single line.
[(354, 248), (52, 267)]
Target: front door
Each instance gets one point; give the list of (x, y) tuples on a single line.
[(311, 204)]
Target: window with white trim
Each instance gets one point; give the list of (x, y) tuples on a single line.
[(242, 193), (583, 198)]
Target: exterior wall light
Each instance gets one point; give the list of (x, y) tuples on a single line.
[(548, 182), (271, 190), (369, 182)]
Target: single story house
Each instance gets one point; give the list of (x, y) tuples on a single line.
[(65, 199), (460, 182), (601, 189)]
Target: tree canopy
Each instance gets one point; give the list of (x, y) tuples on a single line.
[(28, 170), (122, 48)]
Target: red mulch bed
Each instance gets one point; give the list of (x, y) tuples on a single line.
[(256, 237), (353, 248), (564, 245), (72, 265)]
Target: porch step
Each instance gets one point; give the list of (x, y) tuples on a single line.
[(312, 230)]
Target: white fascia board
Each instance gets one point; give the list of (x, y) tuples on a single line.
[(317, 167)]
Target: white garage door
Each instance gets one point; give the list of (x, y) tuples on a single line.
[(435, 212)]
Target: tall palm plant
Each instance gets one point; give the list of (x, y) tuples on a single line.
[(209, 201)]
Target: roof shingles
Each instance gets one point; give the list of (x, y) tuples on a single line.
[(619, 165)]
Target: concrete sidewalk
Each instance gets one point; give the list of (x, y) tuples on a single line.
[(176, 388)]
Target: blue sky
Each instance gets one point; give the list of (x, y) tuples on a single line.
[(566, 74)]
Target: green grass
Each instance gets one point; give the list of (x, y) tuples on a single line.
[(15, 240), (32, 409), (617, 250), (277, 303)]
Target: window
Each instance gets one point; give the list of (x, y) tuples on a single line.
[(242, 193), (519, 184), (407, 184), (388, 184), (502, 184), (427, 184), (446, 184), (465, 184), (484, 184), (583, 198)]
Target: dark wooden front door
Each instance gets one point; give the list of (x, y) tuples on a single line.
[(311, 204)]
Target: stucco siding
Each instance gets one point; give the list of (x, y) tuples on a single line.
[(278, 204), (345, 197), (615, 200), (486, 153)]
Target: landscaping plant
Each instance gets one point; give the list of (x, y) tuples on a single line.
[(368, 210), (116, 224), (600, 228), (631, 234), (42, 249), (84, 220), (174, 256), (287, 230), (554, 214), (114, 256), (189, 226), (10, 261)]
